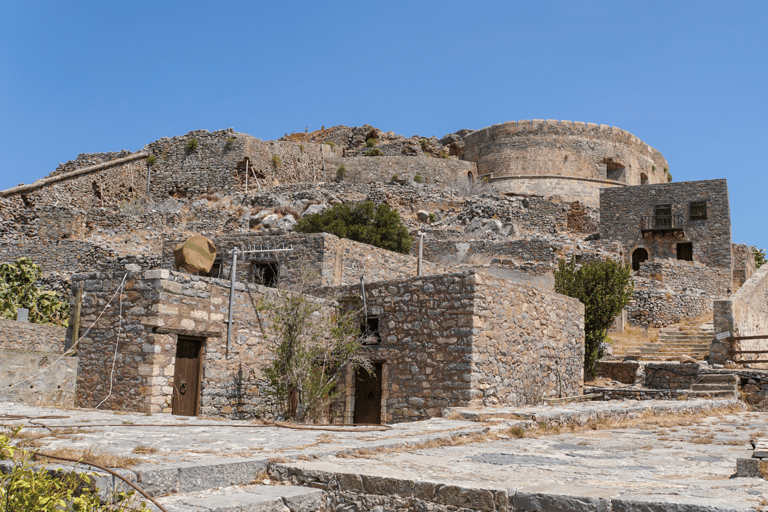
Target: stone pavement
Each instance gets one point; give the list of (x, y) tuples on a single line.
[(212, 465)]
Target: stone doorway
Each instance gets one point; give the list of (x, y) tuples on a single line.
[(638, 256), (368, 395)]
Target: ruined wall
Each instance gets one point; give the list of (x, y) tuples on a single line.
[(621, 211), (745, 313), (567, 188), (324, 258), (528, 213), (110, 186), (563, 148), (164, 305), (63, 256), (381, 169), (470, 339), (743, 264), (54, 387), (31, 337), (518, 253), (668, 292)]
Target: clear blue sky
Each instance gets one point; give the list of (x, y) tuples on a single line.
[(688, 77)]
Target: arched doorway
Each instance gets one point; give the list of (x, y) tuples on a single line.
[(643, 178), (639, 255)]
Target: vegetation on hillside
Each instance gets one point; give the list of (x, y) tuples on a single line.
[(377, 225)]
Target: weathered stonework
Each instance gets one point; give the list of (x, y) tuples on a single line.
[(745, 313), (470, 339), (158, 306), (31, 337), (53, 387), (382, 169), (529, 156), (622, 210)]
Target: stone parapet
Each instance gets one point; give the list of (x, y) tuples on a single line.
[(31, 337)]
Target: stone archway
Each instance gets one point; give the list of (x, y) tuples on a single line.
[(639, 255)]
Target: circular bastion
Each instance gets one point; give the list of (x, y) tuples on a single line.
[(573, 160)]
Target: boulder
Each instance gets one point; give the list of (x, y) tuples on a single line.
[(270, 220), (286, 222), (314, 209), (422, 215)]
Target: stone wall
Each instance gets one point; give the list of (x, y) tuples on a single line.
[(158, 307), (381, 169), (563, 148), (567, 188), (324, 258), (621, 211), (54, 387), (31, 337), (470, 339), (517, 253), (745, 313), (743, 264)]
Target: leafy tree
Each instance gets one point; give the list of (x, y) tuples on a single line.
[(311, 352), (604, 287), (25, 487), (759, 255), (18, 290), (364, 222)]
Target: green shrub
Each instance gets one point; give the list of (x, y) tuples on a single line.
[(330, 143), (341, 172), (18, 290), (370, 142), (301, 147), (759, 255), (604, 287), (228, 143), (442, 154), (418, 179), (151, 159), (276, 160), (394, 177), (377, 225), (375, 152), (653, 167), (424, 144), (431, 218), (486, 179), (669, 176), (192, 144), (27, 487)]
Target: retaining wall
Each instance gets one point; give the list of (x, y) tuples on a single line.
[(745, 313), (381, 169), (31, 337), (54, 387)]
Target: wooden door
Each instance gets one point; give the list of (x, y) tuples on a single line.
[(187, 375), (368, 395)]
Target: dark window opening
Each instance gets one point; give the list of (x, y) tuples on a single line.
[(643, 179), (215, 270), (698, 210), (470, 176), (685, 251), (265, 274), (369, 331), (638, 256), (662, 216)]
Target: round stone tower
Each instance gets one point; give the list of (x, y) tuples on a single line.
[(572, 160)]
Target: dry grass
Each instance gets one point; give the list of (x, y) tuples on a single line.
[(632, 337), (144, 449), (105, 459), (707, 439)]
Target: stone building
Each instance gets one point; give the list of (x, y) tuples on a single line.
[(443, 340)]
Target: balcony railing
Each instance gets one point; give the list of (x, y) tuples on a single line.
[(662, 223)]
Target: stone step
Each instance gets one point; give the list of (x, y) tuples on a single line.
[(719, 378), (713, 394), (714, 387), (256, 498)]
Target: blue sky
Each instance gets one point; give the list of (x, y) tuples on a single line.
[(689, 78)]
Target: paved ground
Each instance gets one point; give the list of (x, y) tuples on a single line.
[(690, 464)]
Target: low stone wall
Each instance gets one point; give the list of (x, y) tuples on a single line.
[(381, 169), (54, 387), (163, 306), (745, 313), (625, 372), (584, 190), (670, 375), (31, 337), (483, 251)]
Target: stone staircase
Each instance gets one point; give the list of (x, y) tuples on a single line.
[(683, 339), (716, 385)]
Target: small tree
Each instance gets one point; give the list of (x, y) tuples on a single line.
[(604, 287), (759, 255), (364, 222), (311, 352), (18, 290)]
